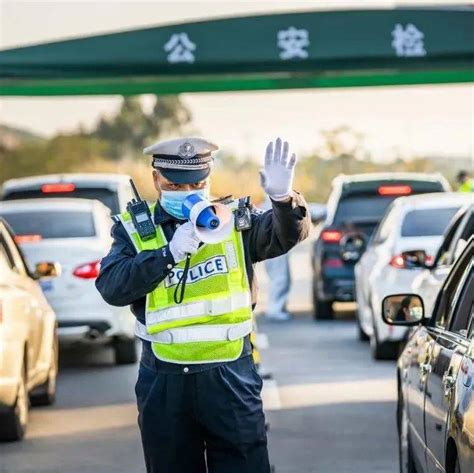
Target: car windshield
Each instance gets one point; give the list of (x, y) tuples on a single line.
[(52, 224), (427, 222), (106, 196), (362, 208)]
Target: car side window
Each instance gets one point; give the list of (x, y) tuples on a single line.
[(450, 293), (13, 254), (461, 319), (6, 265)]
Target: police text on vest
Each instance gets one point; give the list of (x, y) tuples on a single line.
[(210, 267)]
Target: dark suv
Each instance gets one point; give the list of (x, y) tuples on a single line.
[(355, 207)]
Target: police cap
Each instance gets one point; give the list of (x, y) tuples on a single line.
[(183, 160)]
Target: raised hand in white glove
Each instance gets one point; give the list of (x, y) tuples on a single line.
[(276, 177), (184, 242)]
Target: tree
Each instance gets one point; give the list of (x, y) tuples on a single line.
[(132, 128)]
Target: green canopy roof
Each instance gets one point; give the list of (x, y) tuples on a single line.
[(294, 50)]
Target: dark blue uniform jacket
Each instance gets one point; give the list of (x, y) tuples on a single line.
[(126, 277)]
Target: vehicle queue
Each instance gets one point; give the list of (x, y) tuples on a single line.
[(394, 243)]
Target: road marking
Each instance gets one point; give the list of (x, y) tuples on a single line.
[(262, 341), (271, 396), (319, 394), (59, 422)]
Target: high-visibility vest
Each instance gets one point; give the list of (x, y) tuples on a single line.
[(216, 313), (467, 186)]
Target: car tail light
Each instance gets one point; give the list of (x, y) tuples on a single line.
[(333, 263), (60, 187), (27, 238), (398, 261), (88, 270), (331, 236), (395, 190), (429, 260)]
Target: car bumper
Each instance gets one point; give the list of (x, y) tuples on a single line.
[(98, 326), (337, 289)]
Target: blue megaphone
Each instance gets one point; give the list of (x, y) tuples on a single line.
[(213, 222), (203, 214)]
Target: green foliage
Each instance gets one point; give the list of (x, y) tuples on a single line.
[(60, 154), (132, 128)]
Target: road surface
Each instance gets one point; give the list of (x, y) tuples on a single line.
[(331, 408)]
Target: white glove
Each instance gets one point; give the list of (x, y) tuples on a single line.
[(276, 177), (184, 242)]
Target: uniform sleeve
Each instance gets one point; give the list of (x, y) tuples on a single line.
[(126, 276), (276, 231)]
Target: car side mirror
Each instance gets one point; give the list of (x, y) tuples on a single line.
[(415, 259), (403, 309), (46, 269)]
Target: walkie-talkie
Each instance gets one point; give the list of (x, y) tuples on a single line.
[(141, 215)]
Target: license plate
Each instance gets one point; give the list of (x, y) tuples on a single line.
[(47, 285)]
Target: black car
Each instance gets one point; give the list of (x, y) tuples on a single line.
[(355, 207), (436, 374)]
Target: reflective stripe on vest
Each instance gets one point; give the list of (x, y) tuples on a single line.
[(216, 313), (194, 309), (200, 333)]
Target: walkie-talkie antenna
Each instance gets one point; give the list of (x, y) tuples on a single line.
[(135, 191)]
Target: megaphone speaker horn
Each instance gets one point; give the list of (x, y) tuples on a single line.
[(213, 222)]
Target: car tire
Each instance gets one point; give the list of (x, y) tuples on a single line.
[(383, 350), (361, 335), (322, 310), (125, 351), (45, 395), (13, 420), (406, 461)]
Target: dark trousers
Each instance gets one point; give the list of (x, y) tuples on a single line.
[(211, 421)]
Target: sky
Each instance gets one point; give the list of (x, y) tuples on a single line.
[(406, 121)]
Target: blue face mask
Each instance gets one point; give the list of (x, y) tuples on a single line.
[(172, 201)]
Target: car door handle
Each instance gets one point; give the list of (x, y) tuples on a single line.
[(448, 383), (425, 368)]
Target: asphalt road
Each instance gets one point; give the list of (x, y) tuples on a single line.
[(331, 408)]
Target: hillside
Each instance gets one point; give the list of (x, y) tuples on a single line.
[(12, 137)]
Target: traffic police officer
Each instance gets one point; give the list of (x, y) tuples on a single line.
[(466, 184), (198, 392)]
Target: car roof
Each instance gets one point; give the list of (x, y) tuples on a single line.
[(81, 179), (52, 204), (434, 200), (388, 176)]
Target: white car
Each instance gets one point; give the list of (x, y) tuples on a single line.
[(76, 233), (113, 190), (410, 223), (428, 283)]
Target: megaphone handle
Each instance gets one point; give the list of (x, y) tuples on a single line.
[(181, 286)]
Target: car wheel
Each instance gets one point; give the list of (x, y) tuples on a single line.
[(125, 351), (322, 310), (361, 335), (13, 420), (45, 395), (383, 350), (407, 464)]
